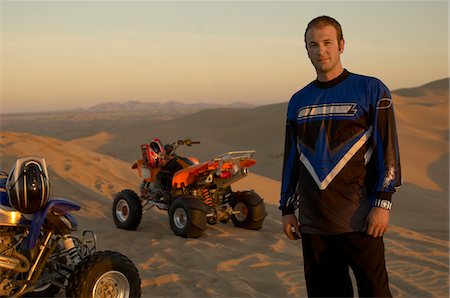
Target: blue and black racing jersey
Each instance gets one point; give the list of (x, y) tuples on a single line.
[(341, 153)]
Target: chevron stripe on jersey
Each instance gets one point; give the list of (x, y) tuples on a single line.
[(323, 165)]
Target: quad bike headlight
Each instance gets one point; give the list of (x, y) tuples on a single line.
[(9, 217)]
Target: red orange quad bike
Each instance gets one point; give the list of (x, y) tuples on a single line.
[(195, 194)]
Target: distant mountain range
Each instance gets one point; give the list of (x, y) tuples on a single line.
[(166, 106), (438, 87)]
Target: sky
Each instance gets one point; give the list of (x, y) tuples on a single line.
[(59, 55)]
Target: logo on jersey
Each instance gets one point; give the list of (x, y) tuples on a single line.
[(343, 109), (384, 103)]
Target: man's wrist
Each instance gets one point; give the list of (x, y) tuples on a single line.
[(384, 195), (384, 204), (287, 210)]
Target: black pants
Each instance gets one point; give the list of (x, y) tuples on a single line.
[(327, 259)]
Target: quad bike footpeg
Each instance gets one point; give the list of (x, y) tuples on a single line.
[(158, 204)]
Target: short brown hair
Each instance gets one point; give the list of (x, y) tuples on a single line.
[(325, 20)]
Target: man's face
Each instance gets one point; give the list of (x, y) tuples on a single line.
[(324, 49)]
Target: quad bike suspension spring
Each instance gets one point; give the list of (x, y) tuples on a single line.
[(207, 199), (72, 250)]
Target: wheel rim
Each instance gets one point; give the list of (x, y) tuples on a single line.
[(122, 210), (111, 284), (243, 211), (43, 288), (180, 218)]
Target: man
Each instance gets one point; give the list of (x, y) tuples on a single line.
[(341, 167)]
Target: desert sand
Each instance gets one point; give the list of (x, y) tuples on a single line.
[(231, 262)]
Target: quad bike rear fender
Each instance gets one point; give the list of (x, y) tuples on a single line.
[(188, 175)]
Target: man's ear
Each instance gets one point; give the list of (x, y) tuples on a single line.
[(341, 46)]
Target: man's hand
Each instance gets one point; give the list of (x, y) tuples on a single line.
[(377, 222), (290, 221)]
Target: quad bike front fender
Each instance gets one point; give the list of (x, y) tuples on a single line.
[(144, 171), (62, 206)]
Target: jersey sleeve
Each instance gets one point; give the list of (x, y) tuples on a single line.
[(290, 174), (385, 144)]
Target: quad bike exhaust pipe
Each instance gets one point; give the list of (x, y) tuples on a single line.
[(242, 173), (14, 264)]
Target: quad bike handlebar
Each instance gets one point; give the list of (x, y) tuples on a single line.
[(170, 148), (187, 142)]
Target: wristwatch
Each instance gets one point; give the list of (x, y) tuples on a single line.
[(385, 204)]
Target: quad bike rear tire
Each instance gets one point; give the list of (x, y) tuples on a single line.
[(187, 217), (105, 274), (127, 210), (252, 210)]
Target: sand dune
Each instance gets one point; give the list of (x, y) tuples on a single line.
[(225, 261), (93, 142), (73, 162), (423, 137)]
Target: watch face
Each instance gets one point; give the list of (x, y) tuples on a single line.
[(385, 204)]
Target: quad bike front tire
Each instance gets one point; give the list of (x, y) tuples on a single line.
[(187, 217), (127, 210), (252, 210), (105, 274)]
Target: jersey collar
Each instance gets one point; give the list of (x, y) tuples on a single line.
[(333, 82)]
